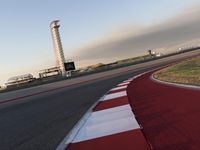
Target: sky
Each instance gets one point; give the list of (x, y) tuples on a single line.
[(92, 31)]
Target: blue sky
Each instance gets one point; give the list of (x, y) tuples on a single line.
[(26, 45)]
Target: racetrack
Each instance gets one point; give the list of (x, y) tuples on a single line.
[(43, 120)]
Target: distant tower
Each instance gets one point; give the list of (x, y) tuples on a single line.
[(60, 58)]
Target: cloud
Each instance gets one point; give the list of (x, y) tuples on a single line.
[(130, 41)]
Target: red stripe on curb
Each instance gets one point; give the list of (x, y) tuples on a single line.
[(111, 103), (129, 140)]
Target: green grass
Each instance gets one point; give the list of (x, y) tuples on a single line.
[(186, 72)]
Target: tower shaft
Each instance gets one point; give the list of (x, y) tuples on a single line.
[(60, 58)]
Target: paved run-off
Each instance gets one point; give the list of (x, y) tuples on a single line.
[(169, 115)]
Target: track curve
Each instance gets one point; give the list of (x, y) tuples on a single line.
[(42, 121)]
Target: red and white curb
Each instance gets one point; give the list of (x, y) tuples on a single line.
[(108, 125)]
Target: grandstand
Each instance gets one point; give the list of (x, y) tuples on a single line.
[(55, 71), (18, 80)]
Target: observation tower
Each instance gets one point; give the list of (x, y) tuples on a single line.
[(60, 58)]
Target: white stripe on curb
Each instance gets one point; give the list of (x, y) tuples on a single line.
[(114, 95), (129, 80), (123, 83), (107, 122), (119, 88)]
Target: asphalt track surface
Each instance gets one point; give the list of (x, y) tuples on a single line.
[(42, 121), (168, 114)]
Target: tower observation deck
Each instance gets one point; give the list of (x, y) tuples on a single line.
[(60, 58)]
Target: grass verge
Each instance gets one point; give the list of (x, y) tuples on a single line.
[(186, 72)]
